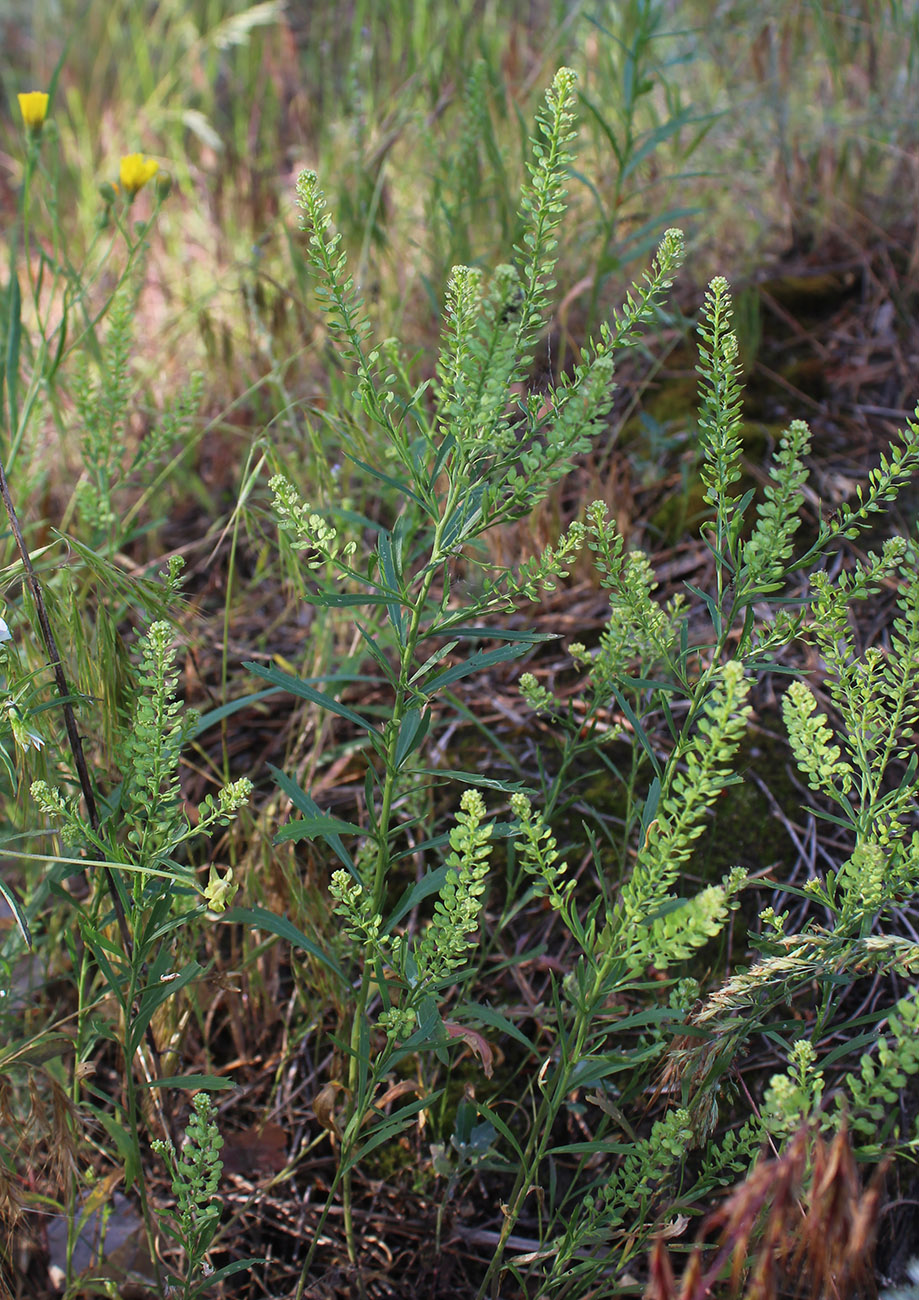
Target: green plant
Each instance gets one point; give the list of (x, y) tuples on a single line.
[(135, 842), (459, 454), (638, 114), (195, 1174), (763, 74), (123, 826), (559, 1114), (104, 401)]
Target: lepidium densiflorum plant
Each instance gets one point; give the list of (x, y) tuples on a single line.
[(194, 1222), (863, 775), (72, 678), (138, 920), (453, 456), (421, 968), (450, 457), (647, 671)]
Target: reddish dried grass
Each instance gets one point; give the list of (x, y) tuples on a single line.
[(798, 1225)]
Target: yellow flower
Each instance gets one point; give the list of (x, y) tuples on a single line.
[(34, 107), (135, 171)]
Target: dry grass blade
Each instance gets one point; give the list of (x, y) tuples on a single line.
[(798, 1225)]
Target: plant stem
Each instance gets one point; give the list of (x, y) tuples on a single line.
[(541, 1132), (382, 862), (73, 735), (134, 1130)]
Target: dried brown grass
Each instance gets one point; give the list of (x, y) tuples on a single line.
[(799, 1225)]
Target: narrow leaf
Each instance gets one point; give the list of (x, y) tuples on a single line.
[(344, 599), (412, 731), (14, 327), (311, 828), (211, 718), (475, 663), (153, 996), (476, 779), (491, 633), (638, 729), (388, 569), (377, 654), (15, 905), (228, 1270), (430, 883), (296, 686), (396, 483), (391, 1126), (649, 811), (433, 659), (262, 919), (492, 1117), (476, 1011), (212, 1082), (34, 1051)]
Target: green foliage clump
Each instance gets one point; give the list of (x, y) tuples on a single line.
[(105, 392), (453, 457), (147, 824)]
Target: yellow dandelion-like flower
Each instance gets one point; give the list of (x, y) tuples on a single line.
[(34, 108), (135, 171)]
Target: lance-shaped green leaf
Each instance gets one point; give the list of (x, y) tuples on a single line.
[(164, 985), (489, 633), (344, 599), (311, 828), (430, 883), (15, 905), (261, 919), (399, 484), (477, 779), (412, 731), (481, 659), (430, 662), (390, 561), (296, 686), (391, 1127), (306, 805), (377, 654), (210, 1082), (11, 360), (214, 716), (487, 1015)]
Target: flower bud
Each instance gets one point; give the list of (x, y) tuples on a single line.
[(33, 105)]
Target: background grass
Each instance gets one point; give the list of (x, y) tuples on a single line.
[(752, 131)]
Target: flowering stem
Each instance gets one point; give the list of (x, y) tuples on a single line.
[(63, 689), (76, 746), (541, 1131), (359, 1106)]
